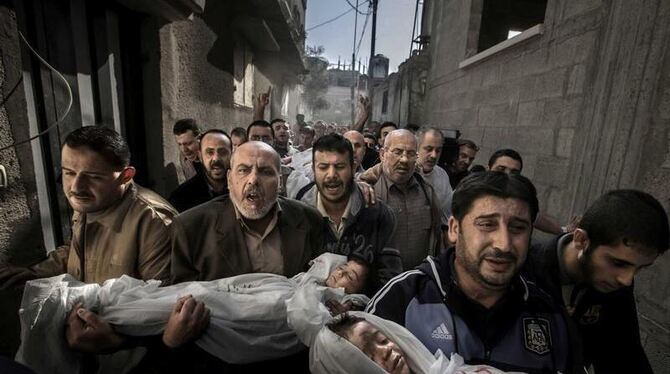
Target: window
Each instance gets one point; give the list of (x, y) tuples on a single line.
[(504, 19), (385, 101), (243, 75)]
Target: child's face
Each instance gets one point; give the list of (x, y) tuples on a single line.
[(378, 347), (350, 276)]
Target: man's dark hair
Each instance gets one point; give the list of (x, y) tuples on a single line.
[(240, 133), (216, 131), (184, 125), (412, 127), (631, 217), (333, 143), (505, 152), (261, 123), (369, 136), (477, 168), (277, 120), (102, 140), (385, 124), (308, 130), (493, 183), (368, 287), (343, 325), (468, 143)]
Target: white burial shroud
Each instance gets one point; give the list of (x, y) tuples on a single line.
[(248, 314)]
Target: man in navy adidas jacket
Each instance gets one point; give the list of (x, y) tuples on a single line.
[(470, 299)]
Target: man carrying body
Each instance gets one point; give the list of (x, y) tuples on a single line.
[(458, 169), (470, 299), (412, 200), (186, 133), (351, 228), (255, 229), (215, 149), (252, 230), (118, 228), (591, 272)]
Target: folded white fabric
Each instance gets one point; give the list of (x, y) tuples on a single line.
[(248, 313)]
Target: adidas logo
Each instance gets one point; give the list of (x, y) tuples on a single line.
[(441, 332)]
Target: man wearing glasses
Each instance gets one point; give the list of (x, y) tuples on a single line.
[(412, 200)]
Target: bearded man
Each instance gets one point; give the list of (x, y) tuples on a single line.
[(215, 150), (470, 299), (251, 230)]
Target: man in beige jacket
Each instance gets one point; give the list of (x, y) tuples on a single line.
[(118, 227)]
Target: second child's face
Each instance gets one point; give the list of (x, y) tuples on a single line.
[(384, 352), (350, 276)]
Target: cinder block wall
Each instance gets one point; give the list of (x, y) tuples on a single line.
[(20, 233), (587, 104)]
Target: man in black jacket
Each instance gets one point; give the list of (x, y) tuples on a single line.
[(215, 150), (591, 272), (350, 228)]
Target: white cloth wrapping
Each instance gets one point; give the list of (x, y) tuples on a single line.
[(332, 354), (248, 313), (302, 162)]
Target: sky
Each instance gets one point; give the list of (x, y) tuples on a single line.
[(394, 29)]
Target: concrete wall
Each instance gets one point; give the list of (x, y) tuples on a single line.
[(196, 81), (391, 87), (339, 110), (20, 234), (587, 104), (406, 93)]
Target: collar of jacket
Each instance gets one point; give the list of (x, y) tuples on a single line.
[(441, 270), (113, 216), (356, 198), (290, 222)]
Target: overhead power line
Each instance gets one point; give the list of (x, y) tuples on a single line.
[(354, 7), (360, 40), (334, 18)]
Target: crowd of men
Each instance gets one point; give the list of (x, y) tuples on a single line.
[(449, 249)]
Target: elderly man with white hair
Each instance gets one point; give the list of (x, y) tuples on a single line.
[(413, 200)]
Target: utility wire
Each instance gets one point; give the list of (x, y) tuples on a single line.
[(69, 93), (354, 7), (334, 18), (360, 40)]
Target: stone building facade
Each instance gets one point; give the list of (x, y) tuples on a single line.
[(400, 98), (136, 66), (582, 92)]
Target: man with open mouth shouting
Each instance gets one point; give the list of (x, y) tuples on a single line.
[(351, 228), (251, 230)]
